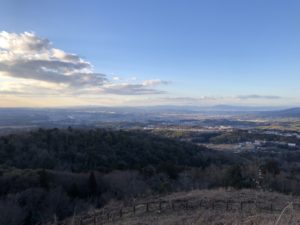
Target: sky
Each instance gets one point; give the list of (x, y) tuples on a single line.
[(155, 52)]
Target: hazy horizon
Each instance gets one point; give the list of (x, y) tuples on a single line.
[(175, 108)]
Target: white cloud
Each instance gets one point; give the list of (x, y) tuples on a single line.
[(254, 96), (116, 78), (28, 56), (31, 61), (154, 82), (130, 89)]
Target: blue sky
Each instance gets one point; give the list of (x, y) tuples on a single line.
[(202, 52)]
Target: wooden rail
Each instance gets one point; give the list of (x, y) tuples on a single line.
[(161, 206)]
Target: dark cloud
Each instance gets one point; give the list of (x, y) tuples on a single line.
[(52, 71)]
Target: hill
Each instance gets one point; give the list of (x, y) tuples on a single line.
[(209, 207), (293, 112), (46, 174), (80, 150), (51, 174)]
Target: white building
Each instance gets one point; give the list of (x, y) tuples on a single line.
[(292, 145)]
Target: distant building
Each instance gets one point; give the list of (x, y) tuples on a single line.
[(292, 145), (257, 142)]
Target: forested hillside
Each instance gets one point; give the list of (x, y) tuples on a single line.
[(101, 150), (51, 174)]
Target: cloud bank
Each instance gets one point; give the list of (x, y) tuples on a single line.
[(246, 97), (34, 66)]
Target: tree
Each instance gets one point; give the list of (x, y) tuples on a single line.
[(234, 177), (74, 191), (271, 167), (44, 179), (92, 184), (170, 169), (11, 213)]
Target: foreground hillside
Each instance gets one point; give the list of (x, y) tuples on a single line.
[(49, 174), (205, 207)]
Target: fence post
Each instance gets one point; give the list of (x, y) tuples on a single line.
[(213, 205), (147, 207), (241, 206), (200, 203), (186, 205), (81, 222), (271, 208), (95, 219), (133, 208), (227, 205), (121, 212), (173, 205), (160, 203)]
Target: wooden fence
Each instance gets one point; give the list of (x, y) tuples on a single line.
[(104, 215)]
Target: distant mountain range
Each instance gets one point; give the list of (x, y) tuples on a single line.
[(293, 112), (191, 108), (234, 108), (90, 115)]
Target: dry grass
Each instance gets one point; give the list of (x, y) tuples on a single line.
[(208, 218), (284, 211)]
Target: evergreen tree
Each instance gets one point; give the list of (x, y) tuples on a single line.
[(44, 179), (234, 177), (92, 184)]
